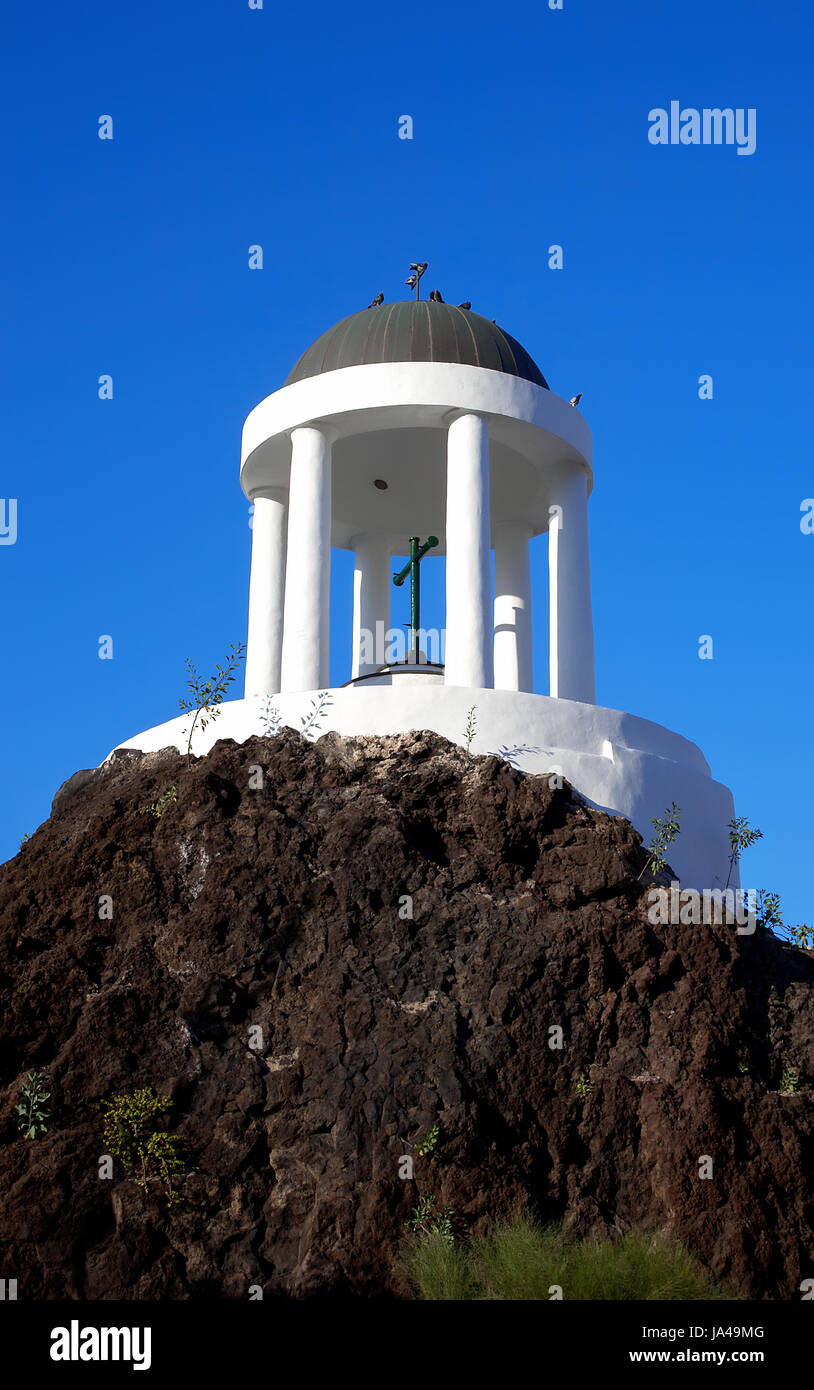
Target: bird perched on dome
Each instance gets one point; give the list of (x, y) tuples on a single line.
[(374, 304), (575, 400), (467, 304), (436, 297)]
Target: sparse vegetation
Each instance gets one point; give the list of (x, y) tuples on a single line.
[(788, 1082), (33, 1111), (208, 695), (768, 914), (26, 837), (471, 728), (667, 830), (520, 1260), (427, 1219), (427, 1142), (582, 1087), (132, 1135), (157, 808), (741, 836)]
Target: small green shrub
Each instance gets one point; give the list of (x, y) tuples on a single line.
[(582, 1087), (33, 1111), (667, 830), (427, 1143), (207, 696), (157, 808), (520, 1260), (788, 1082), (426, 1220), (131, 1134), (742, 836)]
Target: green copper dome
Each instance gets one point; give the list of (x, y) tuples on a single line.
[(417, 331)]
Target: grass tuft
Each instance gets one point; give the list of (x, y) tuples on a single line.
[(521, 1260)]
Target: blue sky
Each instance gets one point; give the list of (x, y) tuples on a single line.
[(279, 127)]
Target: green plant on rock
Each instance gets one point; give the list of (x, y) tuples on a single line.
[(582, 1087), (26, 837), (768, 913), (157, 808), (427, 1143), (668, 828), (207, 696), (471, 726), (741, 836), (33, 1111), (743, 1066), (132, 1135), (428, 1220), (802, 936), (788, 1082)]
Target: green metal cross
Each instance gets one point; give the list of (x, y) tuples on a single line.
[(417, 553)]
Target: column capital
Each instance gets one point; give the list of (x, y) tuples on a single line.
[(329, 432), (272, 494), (450, 417)]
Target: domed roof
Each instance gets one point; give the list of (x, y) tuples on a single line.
[(416, 331)]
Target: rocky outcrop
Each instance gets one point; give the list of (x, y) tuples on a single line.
[(320, 950)]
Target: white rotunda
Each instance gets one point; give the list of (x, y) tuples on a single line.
[(412, 418)]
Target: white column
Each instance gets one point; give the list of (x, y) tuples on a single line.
[(306, 630), (512, 608), (266, 590), (571, 633), (469, 657), (372, 581)]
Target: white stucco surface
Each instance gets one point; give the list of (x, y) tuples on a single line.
[(618, 761)]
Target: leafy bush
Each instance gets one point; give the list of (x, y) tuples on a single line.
[(520, 1260), (208, 696), (157, 808), (667, 829), (132, 1135), (427, 1220), (33, 1111), (425, 1145)]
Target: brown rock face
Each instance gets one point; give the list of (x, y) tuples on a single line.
[(258, 970)]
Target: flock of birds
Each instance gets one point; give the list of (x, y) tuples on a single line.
[(417, 269)]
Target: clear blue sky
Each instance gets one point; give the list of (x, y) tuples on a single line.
[(279, 127)]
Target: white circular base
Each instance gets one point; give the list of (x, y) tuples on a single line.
[(618, 762)]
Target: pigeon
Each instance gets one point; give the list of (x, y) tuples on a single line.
[(575, 400), (436, 297), (377, 301), (417, 269), (467, 304)]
